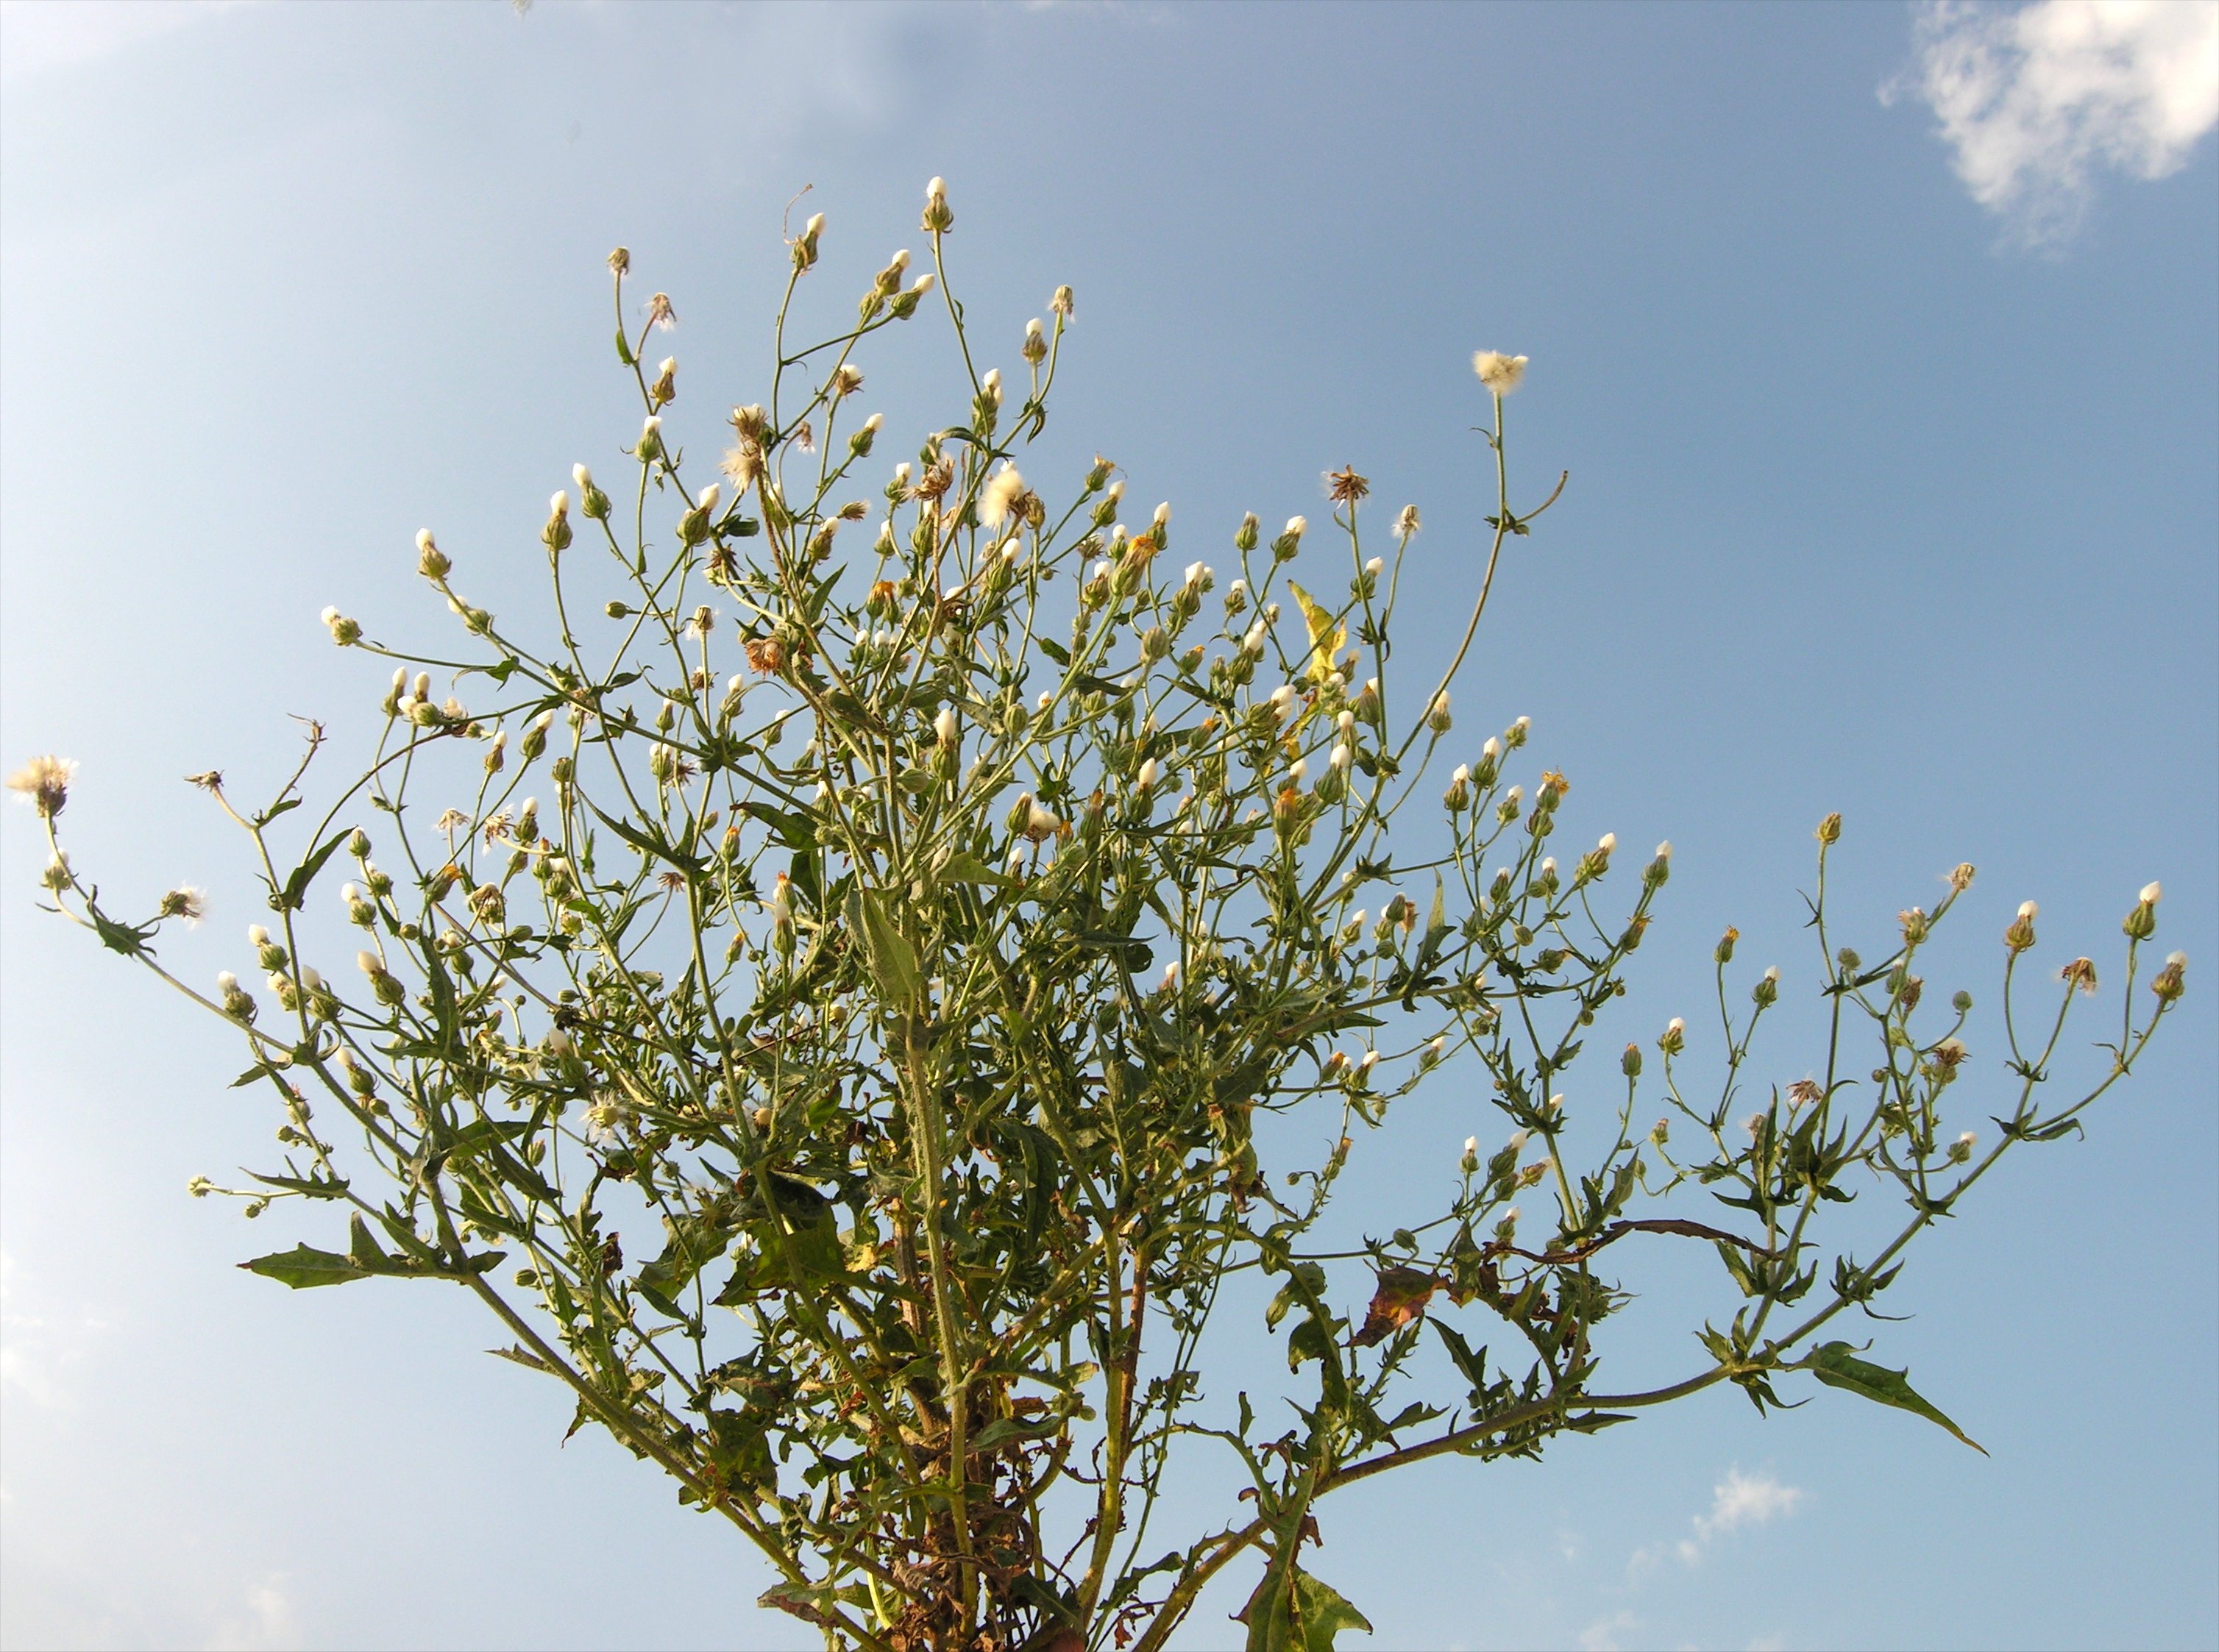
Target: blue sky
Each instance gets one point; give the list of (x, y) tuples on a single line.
[(1882, 348)]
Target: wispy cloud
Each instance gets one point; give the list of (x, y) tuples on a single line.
[(268, 1620), (36, 1352), (1737, 1500), (2039, 102), (1601, 1636)]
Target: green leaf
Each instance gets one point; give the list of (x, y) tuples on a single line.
[(793, 830), (1003, 1430), (130, 940), (968, 868), (1472, 1364), (1322, 1613), (1055, 651), (1837, 1366), (311, 1188), (893, 961), (303, 1267), (296, 886)]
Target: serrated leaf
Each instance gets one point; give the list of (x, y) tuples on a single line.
[(893, 961), (1836, 1365), (296, 886)]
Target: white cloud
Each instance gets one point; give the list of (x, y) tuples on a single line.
[(2040, 100), (35, 1352), (268, 1622), (38, 36), (1601, 1636), (1737, 1500)]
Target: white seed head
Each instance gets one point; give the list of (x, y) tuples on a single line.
[(1677, 1027), (1147, 777), (944, 726), (1298, 770), (583, 477), (1498, 372), (1374, 566), (424, 539), (226, 982), (1471, 1145), (1518, 1138), (257, 935), (710, 493), (1297, 526), (2151, 893), (1608, 842), (1463, 776), (369, 963), (2028, 911), (1664, 850), (1493, 748), (816, 224)]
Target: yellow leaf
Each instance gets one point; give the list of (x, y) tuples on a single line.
[(1325, 638)]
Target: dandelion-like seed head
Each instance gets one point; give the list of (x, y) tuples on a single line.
[(44, 781), (1500, 373)]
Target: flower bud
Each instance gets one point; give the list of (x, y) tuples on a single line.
[(1243, 537), (1437, 715), (2168, 983), (2141, 922), (555, 535), (1035, 349), (650, 447), (938, 219), (1830, 829), (1659, 869), (1630, 1063), (1766, 989), (1675, 1036), (1457, 797), (430, 561), (2020, 935), (345, 631)]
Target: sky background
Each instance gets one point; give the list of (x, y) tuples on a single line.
[(1882, 346)]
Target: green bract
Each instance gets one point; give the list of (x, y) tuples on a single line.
[(926, 903)]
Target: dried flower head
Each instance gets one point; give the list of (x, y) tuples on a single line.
[(1344, 486), (660, 314), (1001, 491), (44, 782), (185, 902), (1406, 522)]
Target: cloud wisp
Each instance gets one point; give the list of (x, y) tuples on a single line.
[(2041, 101), (1737, 1500)]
